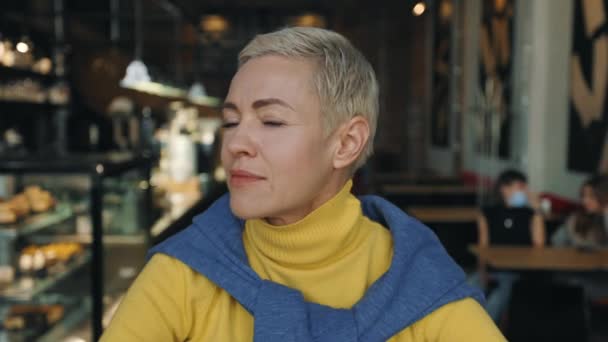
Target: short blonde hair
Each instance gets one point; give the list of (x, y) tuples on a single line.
[(344, 80)]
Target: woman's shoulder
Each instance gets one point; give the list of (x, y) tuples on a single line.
[(162, 266), (462, 320), (161, 303)]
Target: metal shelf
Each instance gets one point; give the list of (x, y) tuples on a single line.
[(35, 223), (101, 164), (67, 324), (15, 73), (76, 311), (97, 167), (18, 292), (86, 239), (38, 107)]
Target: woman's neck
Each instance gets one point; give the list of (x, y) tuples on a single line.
[(329, 191), (322, 235)]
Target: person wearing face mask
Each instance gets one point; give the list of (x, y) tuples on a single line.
[(587, 228), (512, 221)]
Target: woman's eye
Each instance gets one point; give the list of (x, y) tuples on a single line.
[(273, 123), (229, 124)]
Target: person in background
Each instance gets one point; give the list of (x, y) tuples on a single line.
[(587, 228), (290, 254), (512, 221)]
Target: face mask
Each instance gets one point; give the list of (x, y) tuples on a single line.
[(518, 199)]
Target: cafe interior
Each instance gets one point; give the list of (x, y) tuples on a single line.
[(492, 132)]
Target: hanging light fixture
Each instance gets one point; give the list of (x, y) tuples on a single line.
[(137, 76), (197, 90), (137, 72), (419, 8), (197, 93)]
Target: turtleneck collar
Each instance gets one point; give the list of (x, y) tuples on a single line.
[(323, 235)]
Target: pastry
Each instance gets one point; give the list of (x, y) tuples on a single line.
[(33, 198), (24, 316), (36, 258), (7, 215), (63, 251), (32, 190), (26, 262), (13, 323), (39, 261), (40, 200), (20, 205)]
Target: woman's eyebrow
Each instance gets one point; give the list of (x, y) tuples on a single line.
[(270, 101), (229, 105)]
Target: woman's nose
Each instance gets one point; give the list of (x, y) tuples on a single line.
[(239, 141)]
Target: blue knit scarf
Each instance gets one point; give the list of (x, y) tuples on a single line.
[(421, 278)]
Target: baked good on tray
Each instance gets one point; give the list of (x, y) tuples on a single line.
[(32, 316), (38, 259), (7, 215), (40, 200), (20, 205), (32, 200)]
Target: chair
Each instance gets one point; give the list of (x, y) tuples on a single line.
[(543, 311)]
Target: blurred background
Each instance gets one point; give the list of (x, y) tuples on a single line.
[(492, 131)]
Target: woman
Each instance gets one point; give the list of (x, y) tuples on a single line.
[(290, 254), (587, 228), (511, 222)]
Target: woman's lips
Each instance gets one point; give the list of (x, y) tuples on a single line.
[(242, 178)]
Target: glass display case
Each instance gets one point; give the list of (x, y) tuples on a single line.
[(73, 234)]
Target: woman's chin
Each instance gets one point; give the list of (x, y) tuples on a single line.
[(245, 211)]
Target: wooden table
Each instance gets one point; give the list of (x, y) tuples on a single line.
[(444, 214), (547, 259)]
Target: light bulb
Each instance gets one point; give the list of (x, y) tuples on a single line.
[(419, 9), (23, 47)]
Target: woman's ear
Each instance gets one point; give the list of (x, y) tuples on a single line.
[(352, 139)]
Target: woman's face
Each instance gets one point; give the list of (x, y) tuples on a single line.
[(589, 200), (274, 149)]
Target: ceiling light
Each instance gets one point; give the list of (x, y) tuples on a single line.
[(419, 9), (309, 20), (23, 47), (445, 9), (214, 23)]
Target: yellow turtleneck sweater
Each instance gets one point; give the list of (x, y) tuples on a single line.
[(332, 247)]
